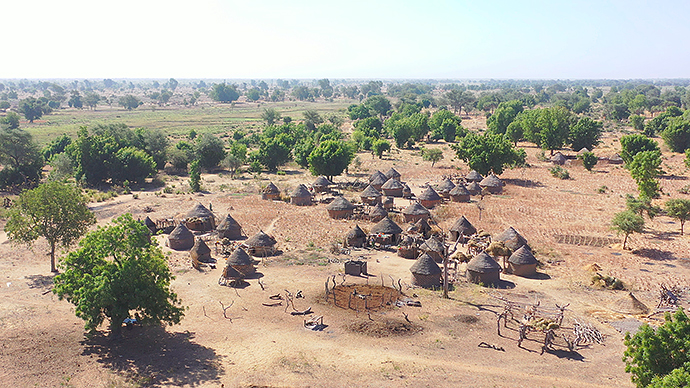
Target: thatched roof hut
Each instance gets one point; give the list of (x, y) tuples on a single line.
[(241, 261), (388, 203), (377, 179), (392, 188), (583, 151), (407, 192), (492, 184), (377, 213), (340, 208), (231, 274), (407, 247), (522, 262), (370, 196), (429, 198), (229, 228), (629, 304), (473, 176), (461, 227), (201, 252), (180, 239), (483, 269), (444, 188), (616, 159), (270, 192), (150, 224), (422, 227), (558, 159), (415, 212), (459, 193), (474, 188), (511, 239), (200, 219), (356, 237), (386, 231), (321, 184), (392, 174), (260, 244), (425, 272), (434, 248), (300, 196)]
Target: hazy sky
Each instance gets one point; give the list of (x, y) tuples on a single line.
[(344, 39)]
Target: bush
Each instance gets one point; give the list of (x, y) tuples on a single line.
[(559, 172), (589, 160)]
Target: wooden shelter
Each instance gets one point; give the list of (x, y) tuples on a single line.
[(392, 174), (242, 262), (492, 184), (229, 228), (340, 208), (474, 176), (511, 239), (558, 159), (444, 188), (356, 267), (260, 244), (201, 252), (425, 272), (522, 262), (459, 193), (434, 248), (370, 196), (200, 219), (377, 179), (356, 237), (386, 232), (483, 269), (180, 239), (415, 212), (300, 196), (474, 188), (429, 198), (321, 184), (392, 188), (270, 192), (377, 213), (461, 228)]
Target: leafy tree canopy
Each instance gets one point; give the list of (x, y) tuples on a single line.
[(585, 134), (677, 134), (626, 223), (645, 168), (129, 102), (330, 158), (488, 153), (631, 145), (224, 93), (21, 159), (505, 114), (679, 209)]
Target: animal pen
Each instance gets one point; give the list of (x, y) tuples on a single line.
[(362, 297)]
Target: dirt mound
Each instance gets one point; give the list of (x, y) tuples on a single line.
[(385, 328), (469, 319), (363, 297)]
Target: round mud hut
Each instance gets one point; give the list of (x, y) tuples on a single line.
[(429, 198), (231, 276), (270, 192), (200, 219), (425, 272), (616, 159), (522, 262), (321, 184), (558, 159), (229, 228), (300, 196), (511, 239), (242, 262), (392, 174), (356, 237), (421, 227), (483, 269), (434, 248), (340, 208), (407, 191), (474, 176), (392, 188), (445, 187), (377, 213), (492, 184), (370, 196), (260, 244), (460, 193), (201, 252), (474, 188), (461, 229), (386, 232), (415, 212), (377, 179), (180, 239), (407, 248), (388, 203)]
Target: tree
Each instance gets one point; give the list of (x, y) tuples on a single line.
[(445, 125), (555, 123), (631, 145), (379, 146), (253, 94), (642, 205), (75, 100), (645, 168), (20, 156), (312, 118), (275, 151), (378, 104), (32, 109), (637, 122), (10, 121), (195, 176), (677, 134), (652, 355), (589, 160), (118, 273), (432, 155), (132, 164), (129, 102), (627, 222), (330, 158), (224, 93), (270, 116), (53, 210), (5, 105), (209, 150), (585, 134), (679, 209), (488, 153), (91, 99), (504, 115)]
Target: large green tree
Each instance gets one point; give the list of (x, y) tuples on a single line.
[(585, 134), (504, 115), (224, 93), (645, 168), (118, 273), (679, 209), (129, 102), (633, 144), (330, 158), (209, 150), (488, 153), (20, 157), (32, 108), (677, 134), (626, 223), (53, 210)]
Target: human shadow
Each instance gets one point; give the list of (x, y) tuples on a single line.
[(157, 357)]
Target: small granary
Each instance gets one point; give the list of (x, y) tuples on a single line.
[(434, 248), (392, 174), (151, 225), (370, 196), (201, 252), (377, 213), (461, 227), (425, 272), (474, 188), (429, 198), (407, 192), (407, 248), (321, 184), (629, 304), (229, 228), (356, 267), (473, 176), (583, 151), (522, 262), (445, 187), (377, 179), (460, 193), (386, 232), (300, 196), (260, 244), (180, 239), (422, 227), (388, 203), (270, 192), (511, 239), (200, 219), (242, 262), (492, 184), (340, 208), (415, 212), (356, 237), (483, 269), (558, 159), (392, 188), (230, 276)]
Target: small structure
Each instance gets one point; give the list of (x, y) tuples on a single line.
[(429, 198), (321, 184), (461, 229), (425, 272), (388, 203), (483, 269), (392, 188), (230, 277), (558, 159), (340, 208), (511, 239), (522, 262), (444, 188), (370, 196), (473, 176), (180, 239), (415, 212), (583, 151), (460, 193), (229, 228), (422, 227), (386, 232), (474, 188), (200, 219), (616, 159), (242, 262), (270, 192), (377, 213), (407, 192), (356, 237), (260, 244), (377, 179), (201, 252), (492, 184), (392, 174), (407, 248), (151, 225), (356, 267), (434, 248), (629, 304), (300, 196)]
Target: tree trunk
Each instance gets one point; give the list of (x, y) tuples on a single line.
[(625, 240), (116, 326), (682, 223), (53, 268)]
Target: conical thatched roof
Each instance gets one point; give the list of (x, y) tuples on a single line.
[(615, 159), (445, 186), (200, 248), (432, 244), (425, 265), (386, 226), (406, 188), (522, 256), (378, 211), (392, 184), (473, 176), (558, 158), (422, 225), (483, 263), (322, 181), (459, 190), (340, 203), (377, 175), (356, 232), (392, 173), (231, 273), (474, 187), (629, 305), (181, 233), (228, 223), (370, 192), (199, 211), (149, 223), (240, 257), (271, 189), (429, 195), (300, 191), (583, 150), (491, 181), (463, 227), (415, 209), (260, 239), (511, 239)]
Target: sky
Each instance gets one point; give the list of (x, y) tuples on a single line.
[(396, 39)]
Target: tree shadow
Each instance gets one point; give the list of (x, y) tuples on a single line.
[(522, 182), (567, 354), (673, 177), (655, 254), (39, 281), (157, 357)]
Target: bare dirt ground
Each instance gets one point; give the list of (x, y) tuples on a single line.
[(43, 343)]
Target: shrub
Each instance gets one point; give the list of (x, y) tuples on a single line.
[(559, 172)]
